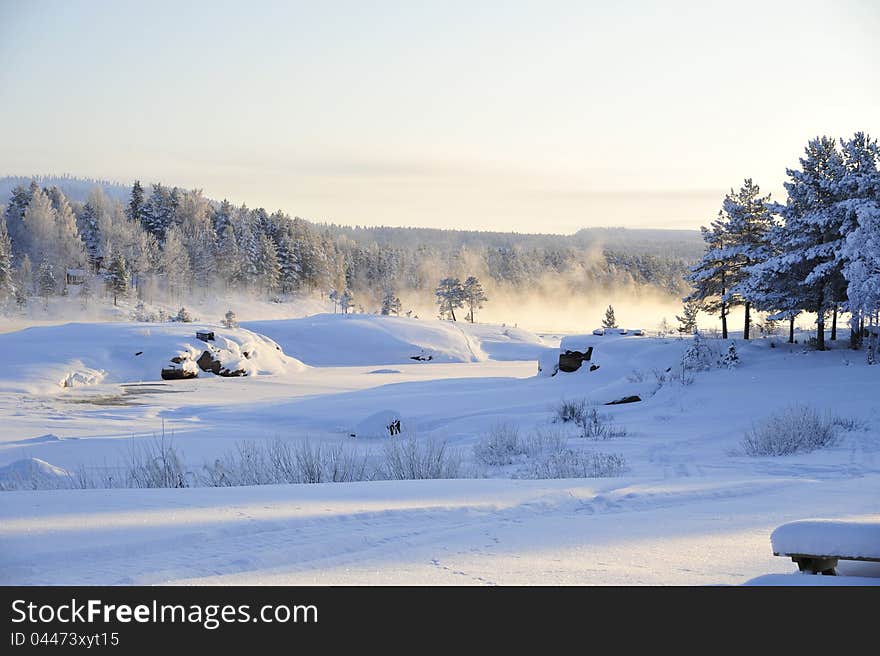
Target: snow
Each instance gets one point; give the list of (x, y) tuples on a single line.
[(690, 509), (363, 339), (43, 359), (30, 470), (377, 424), (857, 537)]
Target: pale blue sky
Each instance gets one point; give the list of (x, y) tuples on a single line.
[(530, 116)]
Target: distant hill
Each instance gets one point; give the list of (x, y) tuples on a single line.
[(76, 189), (677, 244)]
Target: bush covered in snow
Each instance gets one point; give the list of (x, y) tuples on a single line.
[(410, 458), (571, 410), (256, 463), (155, 463), (731, 358), (501, 446), (573, 463), (590, 422), (796, 429), (699, 355)]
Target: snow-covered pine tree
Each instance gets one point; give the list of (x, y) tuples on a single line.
[(40, 232), (184, 316), (268, 268), (198, 236), (14, 217), (288, 260), (90, 230), (7, 286), (136, 204), (474, 296), (390, 303), (748, 223), (334, 296), (813, 228), (229, 258), (609, 321), (47, 282), (247, 234), (450, 295), (731, 358), (118, 277), (861, 249), (175, 265), (158, 212), (687, 321), (346, 300), (221, 216), (711, 277)]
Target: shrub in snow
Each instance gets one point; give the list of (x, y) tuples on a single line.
[(501, 446), (796, 429), (731, 358), (573, 410), (571, 463), (184, 315), (850, 424), (410, 458), (545, 441), (591, 423), (636, 376), (698, 356), (155, 463), (596, 426), (255, 463)]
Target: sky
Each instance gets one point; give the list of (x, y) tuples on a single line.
[(544, 116)]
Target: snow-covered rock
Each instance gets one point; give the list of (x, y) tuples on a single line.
[(47, 358)]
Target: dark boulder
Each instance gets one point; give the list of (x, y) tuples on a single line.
[(625, 399), (207, 362), (570, 361), (177, 373)]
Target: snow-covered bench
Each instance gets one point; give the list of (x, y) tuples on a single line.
[(817, 544)]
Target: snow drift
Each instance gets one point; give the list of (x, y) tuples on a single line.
[(367, 339)]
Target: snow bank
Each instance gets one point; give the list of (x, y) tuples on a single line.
[(366, 339), (49, 358), (855, 538), (31, 473), (378, 424)]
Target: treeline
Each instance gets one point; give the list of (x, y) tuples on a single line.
[(170, 243), (819, 252)]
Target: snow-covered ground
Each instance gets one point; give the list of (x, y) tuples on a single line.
[(690, 508)]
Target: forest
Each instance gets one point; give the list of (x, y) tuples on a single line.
[(170, 244)]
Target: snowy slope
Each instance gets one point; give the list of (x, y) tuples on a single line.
[(364, 339)]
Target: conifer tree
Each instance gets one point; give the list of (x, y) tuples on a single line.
[(609, 321), (474, 296)]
